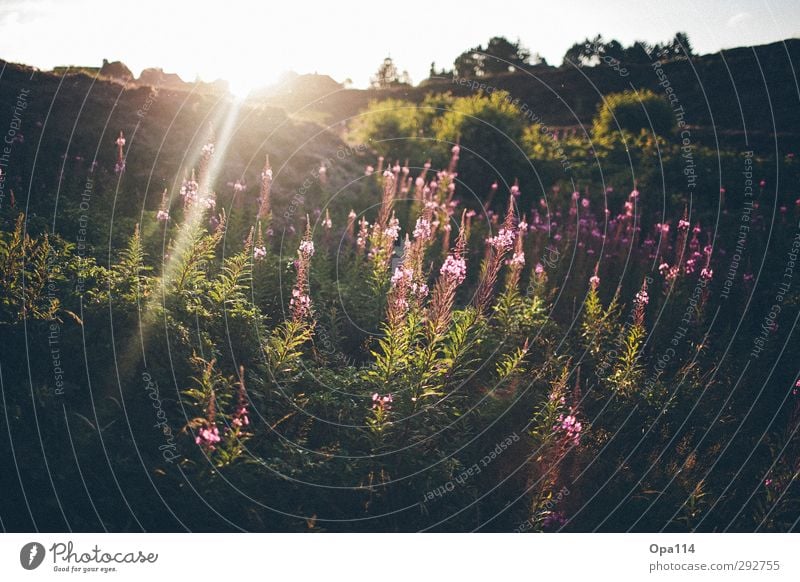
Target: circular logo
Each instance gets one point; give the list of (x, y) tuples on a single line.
[(31, 555)]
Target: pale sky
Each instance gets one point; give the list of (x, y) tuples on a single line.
[(252, 43)]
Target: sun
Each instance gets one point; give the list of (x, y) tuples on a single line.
[(242, 83), (241, 86)]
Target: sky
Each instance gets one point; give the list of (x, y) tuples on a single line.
[(253, 43)]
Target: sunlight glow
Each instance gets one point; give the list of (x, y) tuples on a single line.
[(243, 82)]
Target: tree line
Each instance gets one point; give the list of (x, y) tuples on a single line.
[(501, 55)]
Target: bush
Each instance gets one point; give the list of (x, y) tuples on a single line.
[(632, 113), (489, 129)]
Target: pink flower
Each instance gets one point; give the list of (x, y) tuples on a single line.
[(420, 290), (363, 233), (518, 260), (594, 282), (401, 276), (207, 437), (240, 417), (382, 402), (570, 427), (162, 216), (454, 269), (259, 253), (393, 230), (554, 520), (422, 230), (189, 190), (368, 171), (300, 304), (642, 298), (503, 241), (307, 248)]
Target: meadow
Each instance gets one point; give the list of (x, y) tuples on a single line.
[(457, 318)]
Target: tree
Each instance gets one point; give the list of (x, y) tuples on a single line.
[(503, 56), (489, 129), (469, 63), (631, 113), (537, 59), (681, 47), (575, 55), (638, 53), (589, 52), (500, 56), (387, 75), (391, 127)]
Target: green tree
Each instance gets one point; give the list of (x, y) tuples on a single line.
[(391, 127), (387, 75), (632, 113), (503, 56), (500, 56), (469, 63), (489, 129)]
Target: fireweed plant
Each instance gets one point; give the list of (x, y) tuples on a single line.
[(417, 348)]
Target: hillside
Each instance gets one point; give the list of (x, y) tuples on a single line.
[(70, 120), (748, 90)]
